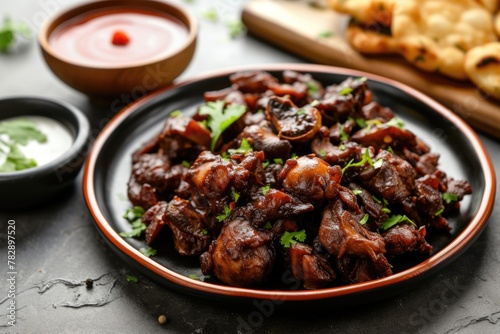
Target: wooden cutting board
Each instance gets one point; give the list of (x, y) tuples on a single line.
[(317, 34)]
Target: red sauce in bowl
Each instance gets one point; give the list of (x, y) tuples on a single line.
[(90, 39)]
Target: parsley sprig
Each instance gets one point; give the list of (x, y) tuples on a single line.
[(291, 238), (134, 216), (364, 160), (12, 134), (9, 33), (220, 118)]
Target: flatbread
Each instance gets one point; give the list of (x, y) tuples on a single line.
[(482, 65)]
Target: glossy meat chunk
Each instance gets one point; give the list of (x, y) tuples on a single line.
[(312, 270), (241, 256), (406, 238)]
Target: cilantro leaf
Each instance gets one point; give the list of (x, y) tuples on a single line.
[(21, 131), (449, 198), (220, 117), (148, 251), (134, 217), (291, 238), (265, 189), (235, 195), (278, 161), (176, 113), (346, 91), (364, 159), (243, 149), (224, 215), (312, 88), (396, 122), (10, 31), (394, 220), (132, 279), (364, 220)]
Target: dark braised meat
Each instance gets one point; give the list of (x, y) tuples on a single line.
[(406, 238), (312, 270), (341, 234), (291, 122), (241, 255), (309, 177)]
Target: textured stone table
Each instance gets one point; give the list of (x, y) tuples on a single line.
[(58, 246)]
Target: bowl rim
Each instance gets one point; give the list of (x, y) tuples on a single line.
[(83, 8), (80, 138), (444, 256)]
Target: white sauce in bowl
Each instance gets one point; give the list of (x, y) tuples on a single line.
[(59, 140)]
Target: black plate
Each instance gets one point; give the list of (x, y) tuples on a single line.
[(109, 165)]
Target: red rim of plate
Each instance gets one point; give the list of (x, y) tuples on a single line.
[(473, 229)]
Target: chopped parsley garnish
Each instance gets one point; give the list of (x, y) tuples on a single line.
[(386, 210), (362, 79), (236, 28), (10, 31), (396, 122), (194, 276), (220, 117), (204, 231), (346, 91), (12, 134), (344, 136), (361, 122), (148, 251), (390, 150), (312, 88), (322, 152), (326, 34), (176, 113), (265, 163), (294, 155), (291, 238), (243, 149), (357, 191), (364, 220), (394, 220), (211, 15), (314, 103), (134, 215), (235, 195), (265, 189), (439, 212), (186, 163), (301, 111), (364, 159), (224, 215), (449, 198), (342, 147), (132, 279), (268, 226), (278, 161)]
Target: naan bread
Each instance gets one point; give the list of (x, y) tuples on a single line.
[(482, 65)]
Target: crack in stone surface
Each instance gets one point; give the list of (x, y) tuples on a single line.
[(492, 318)]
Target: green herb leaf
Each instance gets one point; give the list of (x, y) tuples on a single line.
[(345, 91), (390, 150), (268, 226), (312, 88), (322, 152), (343, 135), (364, 220), (294, 156), (243, 149), (235, 195), (15, 159), (439, 212), (449, 198), (134, 215), (396, 122), (357, 192), (265, 189), (265, 163), (326, 34), (393, 220), (291, 238), (21, 131), (194, 276), (186, 164), (220, 118), (148, 251), (386, 210), (204, 231), (278, 161), (301, 111), (132, 279), (211, 15), (365, 159), (10, 31), (176, 113), (236, 28), (224, 215), (378, 163)]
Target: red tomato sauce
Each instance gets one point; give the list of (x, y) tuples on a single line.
[(90, 39)]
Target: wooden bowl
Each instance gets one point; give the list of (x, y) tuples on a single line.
[(136, 77)]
